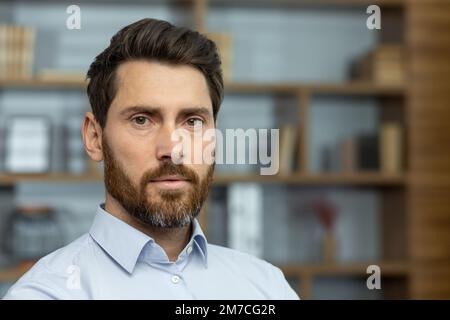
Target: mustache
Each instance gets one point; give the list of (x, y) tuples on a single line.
[(169, 168)]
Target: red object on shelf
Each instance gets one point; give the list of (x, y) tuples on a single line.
[(326, 213)]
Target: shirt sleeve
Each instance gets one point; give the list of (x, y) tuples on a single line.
[(287, 293)]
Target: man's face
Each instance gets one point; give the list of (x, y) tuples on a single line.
[(152, 101)]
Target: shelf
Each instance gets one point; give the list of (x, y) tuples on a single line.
[(397, 268), (307, 3), (375, 178), (349, 88), (42, 84), (11, 275), (11, 179), (14, 273), (363, 179)]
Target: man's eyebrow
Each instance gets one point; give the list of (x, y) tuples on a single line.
[(195, 110), (140, 109), (157, 111)]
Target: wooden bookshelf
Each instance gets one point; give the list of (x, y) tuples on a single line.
[(415, 204), (350, 88), (428, 32), (307, 273)]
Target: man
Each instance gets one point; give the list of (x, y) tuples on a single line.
[(145, 241)]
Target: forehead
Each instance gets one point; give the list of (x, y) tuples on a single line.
[(170, 87)]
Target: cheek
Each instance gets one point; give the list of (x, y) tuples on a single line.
[(134, 155), (200, 169), (202, 149)]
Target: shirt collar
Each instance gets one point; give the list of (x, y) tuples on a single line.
[(198, 237), (125, 243)]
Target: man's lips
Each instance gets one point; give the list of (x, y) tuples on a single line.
[(169, 178), (170, 182)]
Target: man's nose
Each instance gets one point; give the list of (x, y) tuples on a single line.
[(164, 143)]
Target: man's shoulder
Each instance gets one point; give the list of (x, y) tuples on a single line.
[(59, 260), (233, 253), (253, 269), (242, 260), (50, 273)]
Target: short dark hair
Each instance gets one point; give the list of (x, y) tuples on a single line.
[(158, 40)]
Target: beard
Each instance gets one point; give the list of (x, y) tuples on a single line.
[(165, 208)]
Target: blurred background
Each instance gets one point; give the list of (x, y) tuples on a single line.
[(363, 115)]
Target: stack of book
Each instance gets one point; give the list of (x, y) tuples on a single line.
[(16, 51), (28, 145), (384, 65), (382, 151)]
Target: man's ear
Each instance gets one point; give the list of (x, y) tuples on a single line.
[(92, 137)]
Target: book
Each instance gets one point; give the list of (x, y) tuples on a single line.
[(288, 148), (29, 35), (4, 33), (367, 152), (347, 155), (16, 51), (28, 143), (2, 148), (245, 218), (391, 147), (383, 65)]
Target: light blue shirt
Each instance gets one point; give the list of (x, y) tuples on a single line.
[(116, 261)]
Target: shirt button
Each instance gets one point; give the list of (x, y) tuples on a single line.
[(175, 279), (189, 250)]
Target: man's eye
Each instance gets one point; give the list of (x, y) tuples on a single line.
[(194, 122), (141, 120)]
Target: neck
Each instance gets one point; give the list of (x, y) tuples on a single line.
[(172, 240)]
